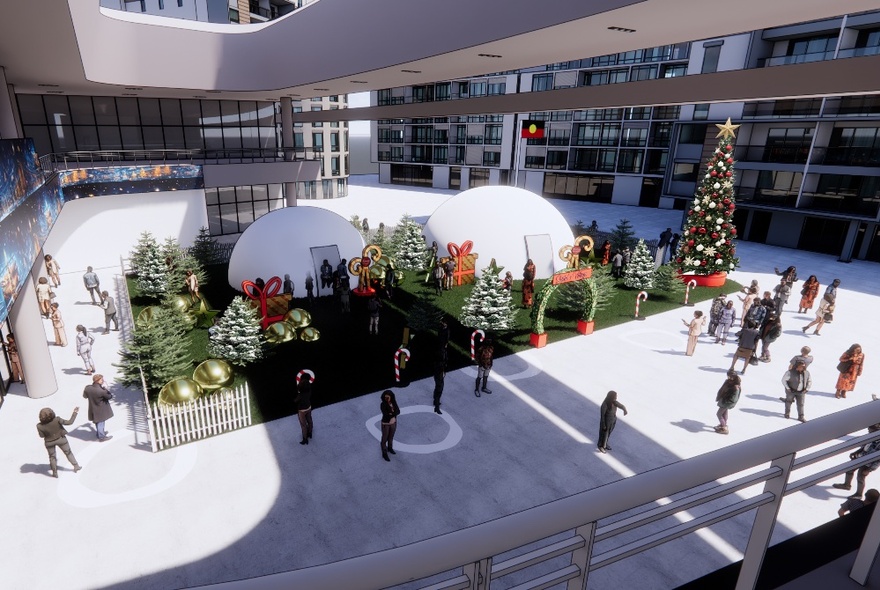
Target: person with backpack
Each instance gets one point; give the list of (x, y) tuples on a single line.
[(726, 399), (485, 354), (725, 321)]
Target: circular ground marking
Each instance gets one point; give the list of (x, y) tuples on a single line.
[(452, 437)]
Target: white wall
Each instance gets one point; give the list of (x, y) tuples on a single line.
[(97, 230), (627, 190)]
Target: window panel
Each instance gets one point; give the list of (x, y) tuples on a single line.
[(249, 116), (105, 111), (170, 108), (81, 111), (229, 112), (128, 112), (31, 110), (213, 138), (57, 110), (86, 137), (109, 137), (193, 139), (154, 139), (211, 113), (40, 135), (62, 138), (250, 138), (149, 110), (191, 111), (229, 218), (174, 138), (232, 138)]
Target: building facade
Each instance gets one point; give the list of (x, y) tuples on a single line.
[(808, 169)]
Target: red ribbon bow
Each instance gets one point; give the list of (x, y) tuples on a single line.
[(459, 252), (253, 291)]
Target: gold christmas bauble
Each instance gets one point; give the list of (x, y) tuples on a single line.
[(280, 332), (309, 334), (213, 374), (298, 318), (179, 390), (145, 317), (181, 303)]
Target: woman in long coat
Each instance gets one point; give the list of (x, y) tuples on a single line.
[(608, 419), (58, 326), (808, 294), (726, 399), (528, 283), (850, 368), (605, 252)]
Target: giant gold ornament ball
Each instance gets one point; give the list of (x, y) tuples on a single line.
[(145, 317), (213, 374), (179, 390), (181, 303), (280, 332), (309, 334), (298, 318), (189, 319)]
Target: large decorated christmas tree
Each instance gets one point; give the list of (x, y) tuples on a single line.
[(408, 245), (707, 245), (237, 338)]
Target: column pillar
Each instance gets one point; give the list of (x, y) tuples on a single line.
[(287, 144), (33, 347), (8, 128), (847, 251)]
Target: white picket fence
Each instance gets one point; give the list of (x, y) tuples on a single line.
[(225, 410)]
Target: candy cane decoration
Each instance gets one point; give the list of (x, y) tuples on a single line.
[(473, 344), (305, 372), (640, 297), (687, 291), (397, 354)]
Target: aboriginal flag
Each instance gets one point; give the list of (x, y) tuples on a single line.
[(532, 129)]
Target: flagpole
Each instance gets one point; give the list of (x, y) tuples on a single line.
[(517, 128)]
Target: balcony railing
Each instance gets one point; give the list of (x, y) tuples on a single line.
[(785, 60), (105, 158), (475, 139), (763, 196), (846, 156), (841, 203), (779, 154), (255, 8)]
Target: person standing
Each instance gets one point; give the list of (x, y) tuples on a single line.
[(44, 297), (605, 252), (808, 294), (789, 275), (608, 419), (92, 284), (99, 405), (485, 356), (437, 273), (748, 342), (769, 334), (51, 430), (797, 383), (373, 307), (439, 376), (310, 288), (345, 296), (448, 273), (824, 313), (695, 328), (757, 314), (727, 397), (804, 357), (52, 268), (617, 265), (303, 402), (850, 368), (507, 281), (390, 411), (627, 256), (528, 283), (84, 348), (725, 321), (871, 496), (109, 312), (326, 274), (662, 245), (14, 360), (365, 226), (864, 470), (715, 312), (781, 293), (832, 288), (748, 301), (673, 246), (58, 326), (192, 286)]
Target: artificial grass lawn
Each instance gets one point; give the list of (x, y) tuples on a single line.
[(349, 362)]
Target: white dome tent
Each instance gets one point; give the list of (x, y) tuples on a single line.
[(294, 241), (506, 223)]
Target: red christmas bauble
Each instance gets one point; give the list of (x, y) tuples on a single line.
[(726, 201), (729, 160), (702, 230), (718, 255), (713, 173), (715, 195), (728, 174), (693, 230), (733, 232), (727, 242), (691, 212), (731, 206), (702, 263), (690, 242), (714, 235), (702, 213), (724, 226), (678, 260)]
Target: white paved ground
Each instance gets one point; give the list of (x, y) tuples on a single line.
[(254, 501)]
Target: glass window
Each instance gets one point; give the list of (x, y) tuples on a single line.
[(150, 113), (153, 138), (695, 134), (40, 135), (81, 111), (109, 137), (318, 141), (174, 138), (684, 171), (334, 166), (710, 59), (132, 138), (232, 138), (191, 111), (249, 116), (86, 137), (229, 112), (334, 142), (250, 138), (266, 113), (128, 111), (542, 82), (30, 108), (105, 110), (170, 108), (57, 110), (213, 137), (193, 138), (701, 111), (211, 113)]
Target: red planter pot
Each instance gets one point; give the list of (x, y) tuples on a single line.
[(713, 280), (538, 340), (585, 328)]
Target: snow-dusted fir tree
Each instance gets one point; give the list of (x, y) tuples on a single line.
[(489, 306), (380, 238), (238, 338), (177, 262), (639, 273), (707, 242), (149, 264), (408, 245), (159, 349)]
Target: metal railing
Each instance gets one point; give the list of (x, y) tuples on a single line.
[(566, 534), (101, 158)]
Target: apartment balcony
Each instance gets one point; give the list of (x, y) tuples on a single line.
[(775, 154), (591, 166), (454, 161), (844, 156), (559, 141), (475, 140), (785, 60), (420, 139), (847, 204), (458, 140), (763, 196), (858, 52), (263, 13)]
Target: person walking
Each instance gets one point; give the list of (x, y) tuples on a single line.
[(608, 419), (617, 265), (44, 297), (485, 356), (850, 369), (99, 406), (58, 326), (727, 397), (748, 301), (528, 283), (390, 411), (748, 342), (805, 357), (92, 284), (192, 286), (438, 274), (715, 312), (84, 348), (109, 306), (14, 361), (832, 288), (824, 313), (769, 334), (725, 321), (303, 402), (52, 268), (781, 293), (373, 307), (448, 273), (864, 470), (51, 430), (439, 376), (808, 294), (695, 328), (789, 275), (797, 383)]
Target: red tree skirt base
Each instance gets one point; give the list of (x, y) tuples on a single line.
[(713, 280), (538, 340)]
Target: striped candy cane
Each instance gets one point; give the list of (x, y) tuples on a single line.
[(397, 354), (640, 297), (473, 343), (687, 291), (305, 372)]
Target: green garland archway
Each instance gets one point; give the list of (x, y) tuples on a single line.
[(541, 299)]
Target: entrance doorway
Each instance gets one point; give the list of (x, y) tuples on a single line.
[(540, 249), (319, 254)]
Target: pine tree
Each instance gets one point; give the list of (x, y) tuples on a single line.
[(489, 306), (707, 242), (424, 315), (623, 236), (667, 281), (204, 248), (380, 238), (159, 349), (639, 272), (587, 296), (150, 267), (238, 338), (408, 245), (177, 262)]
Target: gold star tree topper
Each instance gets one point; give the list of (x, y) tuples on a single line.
[(726, 130)]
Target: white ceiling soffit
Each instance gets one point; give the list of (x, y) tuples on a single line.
[(325, 47), (816, 79)]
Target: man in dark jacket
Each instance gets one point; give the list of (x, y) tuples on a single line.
[(748, 342), (797, 383), (485, 354), (99, 405), (51, 430), (864, 470)]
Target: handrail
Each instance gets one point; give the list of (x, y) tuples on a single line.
[(103, 158), (473, 548)]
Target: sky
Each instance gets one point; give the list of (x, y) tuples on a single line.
[(360, 99)]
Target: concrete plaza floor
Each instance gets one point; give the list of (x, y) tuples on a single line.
[(254, 502)]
